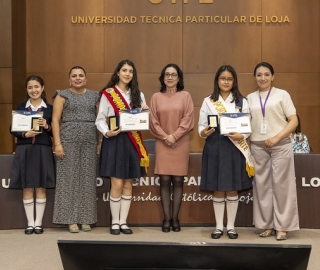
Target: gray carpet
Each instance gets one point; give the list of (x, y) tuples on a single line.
[(38, 252)]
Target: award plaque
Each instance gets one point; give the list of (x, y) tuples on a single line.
[(235, 122), (113, 122), (34, 124), (213, 121)]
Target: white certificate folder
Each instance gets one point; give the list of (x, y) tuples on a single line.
[(133, 120), (235, 122), (22, 121)]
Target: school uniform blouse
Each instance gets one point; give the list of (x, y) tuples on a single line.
[(106, 110), (45, 137), (230, 107)]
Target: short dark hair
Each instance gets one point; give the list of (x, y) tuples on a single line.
[(263, 64), (234, 90), (77, 67), (180, 84), (39, 80)]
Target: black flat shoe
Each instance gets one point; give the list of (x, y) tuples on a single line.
[(232, 234), (176, 226), (38, 230), (166, 225), (216, 234), (126, 230), (115, 231), (29, 230)]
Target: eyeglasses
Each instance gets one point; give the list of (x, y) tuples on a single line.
[(172, 75), (228, 80)]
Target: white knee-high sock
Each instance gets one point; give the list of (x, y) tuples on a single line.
[(232, 208), (115, 209), (218, 206), (124, 209), (40, 206), (29, 209)]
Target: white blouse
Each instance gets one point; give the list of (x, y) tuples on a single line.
[(106, 110), (230, 107)]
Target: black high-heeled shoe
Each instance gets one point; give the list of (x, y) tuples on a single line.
[(176, 226), (166, 225)]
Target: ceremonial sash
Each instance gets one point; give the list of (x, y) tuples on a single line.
[(218, 108), (118, 103)]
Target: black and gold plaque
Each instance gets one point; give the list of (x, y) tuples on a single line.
[(213, 121), (113, 122), (35, 125)]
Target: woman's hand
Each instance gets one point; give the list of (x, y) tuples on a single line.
[(43, 123), (144, 107), (59, 151), (31, 133), (113, 132), (235, 136), (271, 141), (99, 148), (170, 141), (207, 131)]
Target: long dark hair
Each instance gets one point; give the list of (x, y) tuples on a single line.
[(39, 80), (234, 90), (133, 84), (298, 128), (263, 64), (180, 84)]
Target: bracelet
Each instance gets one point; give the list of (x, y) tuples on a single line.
[(57, 144)]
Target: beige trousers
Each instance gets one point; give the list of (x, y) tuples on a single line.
[(274, 187)]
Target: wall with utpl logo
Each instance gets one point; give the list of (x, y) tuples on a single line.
[(49, 37)]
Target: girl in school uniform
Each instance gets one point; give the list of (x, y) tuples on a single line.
[(123, 155), (227, 166), (33, 168)]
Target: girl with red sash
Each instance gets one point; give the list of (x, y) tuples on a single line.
[(123, 156)]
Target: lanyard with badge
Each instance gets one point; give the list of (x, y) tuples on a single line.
[(264, 124)]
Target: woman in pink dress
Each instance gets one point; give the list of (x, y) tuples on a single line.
[(171, 115)]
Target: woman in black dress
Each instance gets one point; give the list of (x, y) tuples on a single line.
[(33, 168)]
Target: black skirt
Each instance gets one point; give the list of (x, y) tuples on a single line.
[(33, 167), (119, 158), (223, 165)]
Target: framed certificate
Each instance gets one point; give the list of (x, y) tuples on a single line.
[(23, 121), (213, 121), (235, 122), (134, 120)]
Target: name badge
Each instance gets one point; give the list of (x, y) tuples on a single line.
[(263, 129)]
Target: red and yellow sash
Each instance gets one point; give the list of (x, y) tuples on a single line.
[(118, 103)]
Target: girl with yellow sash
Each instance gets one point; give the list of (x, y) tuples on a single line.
[(123, 156), (226, 168)]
